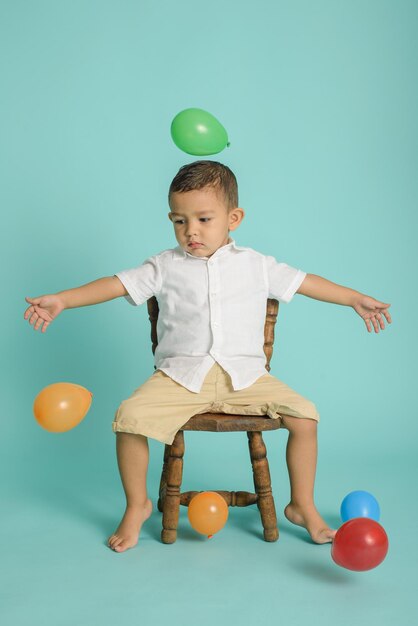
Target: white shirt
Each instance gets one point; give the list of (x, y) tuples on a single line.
[(211, 309)]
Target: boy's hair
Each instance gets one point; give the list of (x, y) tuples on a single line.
[(200, 174)]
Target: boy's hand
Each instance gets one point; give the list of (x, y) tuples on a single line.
[(371, 311), (43, 310)]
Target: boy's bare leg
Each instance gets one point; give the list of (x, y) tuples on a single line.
[(301, 456), (133, 454)]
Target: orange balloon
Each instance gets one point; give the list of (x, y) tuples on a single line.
[(61, 406), (207, 512)]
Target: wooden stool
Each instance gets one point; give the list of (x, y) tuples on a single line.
[(170, 496)]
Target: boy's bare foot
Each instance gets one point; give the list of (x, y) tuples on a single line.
[(127, 534), (309, 518)]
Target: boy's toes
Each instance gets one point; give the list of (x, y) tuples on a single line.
[(114, 541), (123, 545), (326, 535), (329, 533), (120, 547), (120, 544)]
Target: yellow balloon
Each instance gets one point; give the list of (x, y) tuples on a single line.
[(207, 512), (61, 406)]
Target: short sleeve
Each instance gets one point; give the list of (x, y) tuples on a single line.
[(282, 279), (141, 282)]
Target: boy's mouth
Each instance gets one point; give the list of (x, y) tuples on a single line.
[(195, 244)]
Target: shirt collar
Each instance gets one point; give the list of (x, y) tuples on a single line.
[(180, 253)]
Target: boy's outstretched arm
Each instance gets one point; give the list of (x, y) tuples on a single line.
[(369, 309), (44, 309)]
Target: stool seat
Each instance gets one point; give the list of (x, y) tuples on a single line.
[(225, 422)]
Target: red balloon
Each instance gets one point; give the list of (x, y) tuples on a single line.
[(360, 544)]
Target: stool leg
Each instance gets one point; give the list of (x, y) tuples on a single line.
[(163, 481), (262, 484), (171, 503)]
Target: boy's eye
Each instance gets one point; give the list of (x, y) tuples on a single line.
[(201, 218)]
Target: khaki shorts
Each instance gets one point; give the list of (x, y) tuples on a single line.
[(160, 406)]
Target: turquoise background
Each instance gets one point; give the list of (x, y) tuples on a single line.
[(319, 100)]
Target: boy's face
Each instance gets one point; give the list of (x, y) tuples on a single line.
[(202, 216)]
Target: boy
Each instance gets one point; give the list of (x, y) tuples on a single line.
[(212, 298)]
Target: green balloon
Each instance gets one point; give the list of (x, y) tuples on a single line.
[(197, 132)]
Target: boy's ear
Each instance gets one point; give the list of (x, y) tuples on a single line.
[(235, 218)]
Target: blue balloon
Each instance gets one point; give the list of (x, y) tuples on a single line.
[(359, 504)]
